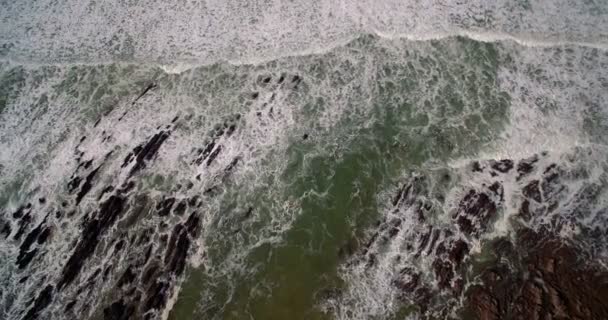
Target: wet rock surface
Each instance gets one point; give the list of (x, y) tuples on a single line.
[(114, 238), (535, 273), (127, 248), (546, 278)]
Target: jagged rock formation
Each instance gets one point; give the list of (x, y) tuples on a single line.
[(545, 278), (540, 275)]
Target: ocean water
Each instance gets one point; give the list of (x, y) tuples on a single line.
[(235, 160)]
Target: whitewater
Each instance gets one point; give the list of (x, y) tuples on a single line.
[(272, 159)]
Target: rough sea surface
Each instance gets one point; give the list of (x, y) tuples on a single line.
[(303, 160)]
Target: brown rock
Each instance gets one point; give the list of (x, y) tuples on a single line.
[(552, 285)]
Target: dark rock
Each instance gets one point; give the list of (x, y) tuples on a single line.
[(444, 273), (146, 90), (408, 280), (177, 251), (104, 191), (524, 210), (86, 186), (503, 166), (74, 183), (25, 254), (248, 213), (193, 201), (127, 160), (497, 189), (70, 306), (550, 185), (371, 260), (19, 213), (458, 251), (477, 205), (204, 153), (88, 164), (232, 165), (180, 208), (433, 241), (465, 224), (43, 236), (476, 167), (118, 311), (23, 225), (126, 187), (395, 227), (92, 279), (25, 257), (550, 168), (214, 155), (144, 236), (149, 274), (164, 207), (193, 224), (157, 295), (148, 151), (424, 239), (230, 130), (483, 304), (6, 230), (211, 191), (42, 301), (119, 245), (148, 254), (561, 286), (107, 270), (127, 277), (532, 191), (93, 231), (402, 192), (524, 167)]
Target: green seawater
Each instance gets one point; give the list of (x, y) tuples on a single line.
[(423, 108), (291, 161)]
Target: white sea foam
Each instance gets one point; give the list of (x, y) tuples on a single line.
[(555, 93), (193, 33), (210, 54)]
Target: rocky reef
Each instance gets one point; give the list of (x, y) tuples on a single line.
[(539, 276), (458, 264)]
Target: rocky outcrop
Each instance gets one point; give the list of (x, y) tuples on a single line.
[(111, 242), (539, 276), (545, 278)]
